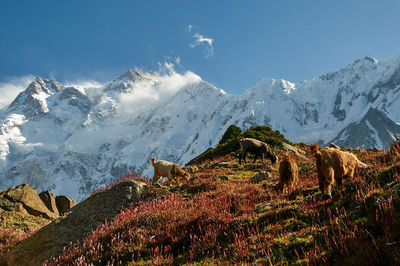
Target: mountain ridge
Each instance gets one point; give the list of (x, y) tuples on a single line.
[(71, 140)]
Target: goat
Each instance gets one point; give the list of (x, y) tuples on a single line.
[(334, 165), (257, 147), (166, 169), (288, 173)]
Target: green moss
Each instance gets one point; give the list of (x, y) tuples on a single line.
[(309, 191), (284, 248), (20, 222), (293, 225), (362, 220), (387, 175)]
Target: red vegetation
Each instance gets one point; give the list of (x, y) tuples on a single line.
[(167, 227), (220, 217), (11, 237)]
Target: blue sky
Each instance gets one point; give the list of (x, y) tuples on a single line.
[(232, 44)]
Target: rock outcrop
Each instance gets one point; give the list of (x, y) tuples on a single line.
[(64, 204), (26, 200), (84, 217), (50, 201)]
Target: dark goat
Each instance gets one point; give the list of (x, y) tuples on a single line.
[(258, 148), (288, 173)]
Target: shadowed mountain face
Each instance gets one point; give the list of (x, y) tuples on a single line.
[(376, 129), (72, 140)]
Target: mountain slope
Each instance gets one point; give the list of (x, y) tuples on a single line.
[(374, 130), (71, 140), (231, 214)]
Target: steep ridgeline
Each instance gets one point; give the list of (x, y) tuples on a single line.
[(72, 140)]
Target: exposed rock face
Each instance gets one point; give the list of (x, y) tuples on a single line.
[(23, 198), (50, 201), (376, 129), (84, 218), (291, 148), (26, 200), (64, 204)]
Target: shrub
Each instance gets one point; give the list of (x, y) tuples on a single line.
[(231, 133), (266, 134), (229, 144)]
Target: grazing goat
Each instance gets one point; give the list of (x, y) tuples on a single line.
[(334, 165), (288, 173), (258, 148), (166, 169)]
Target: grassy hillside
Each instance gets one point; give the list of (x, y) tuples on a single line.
[(231, 214), (226, 216)]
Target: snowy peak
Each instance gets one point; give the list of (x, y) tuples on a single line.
[(200, 89), (359, 66), (73, 140), (363, 64), (40, 85), (126, 80), (32, 101), (76, 98), (42, 95), (131, 75), (274, 89)]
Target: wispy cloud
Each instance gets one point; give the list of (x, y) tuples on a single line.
[(12, 86), (178, 60), (189, 28), (84, 83), (158, 88), (201, 41)]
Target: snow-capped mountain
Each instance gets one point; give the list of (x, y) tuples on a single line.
[(72, 140)]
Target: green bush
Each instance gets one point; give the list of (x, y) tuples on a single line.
[(229, 144), (231, 133), (266, 134)]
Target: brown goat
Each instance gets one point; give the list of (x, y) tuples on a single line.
[(334, 165), (167, 169), (288, 173), (257, 147)]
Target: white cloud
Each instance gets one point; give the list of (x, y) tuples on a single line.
[(158, 87), (12, 86), (86, 86), (189, 28), (178, 60), (88, 83), (202, 41)]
